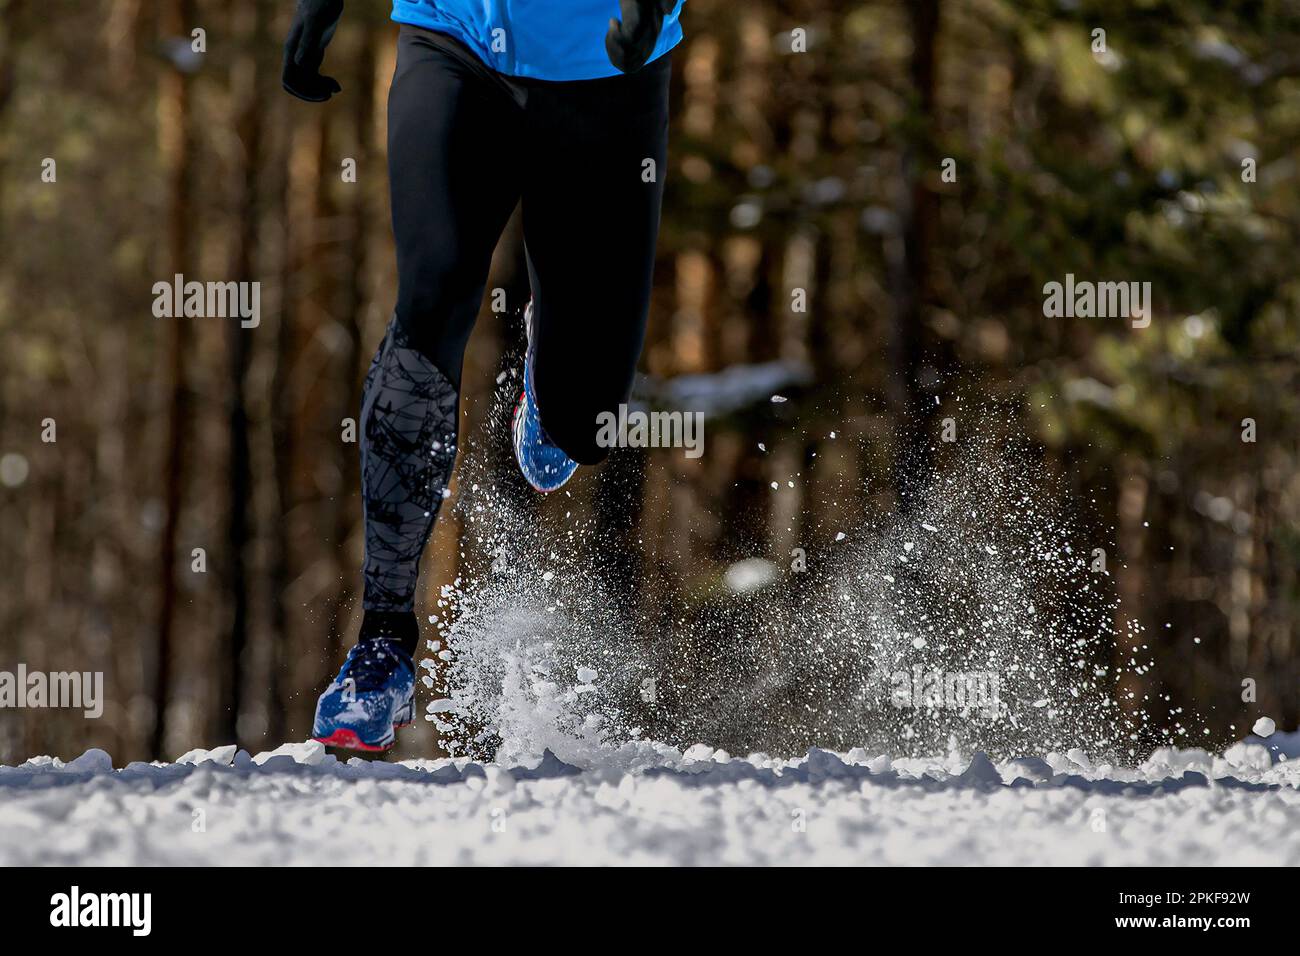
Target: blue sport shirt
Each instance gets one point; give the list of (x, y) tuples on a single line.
[(542, 39)]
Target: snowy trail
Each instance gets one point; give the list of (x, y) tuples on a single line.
[(653, 805)]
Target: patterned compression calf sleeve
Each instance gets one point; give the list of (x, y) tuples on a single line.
[(408, 446)]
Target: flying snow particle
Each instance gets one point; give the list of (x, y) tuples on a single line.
[(13, 470), (1264, 727), (749, 575)]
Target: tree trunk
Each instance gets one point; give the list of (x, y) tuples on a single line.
[(907, 254), (355, 297), (176, 148), (251, 26)]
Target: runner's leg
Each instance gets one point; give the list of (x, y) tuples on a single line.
[(453, 176), (593, 185)]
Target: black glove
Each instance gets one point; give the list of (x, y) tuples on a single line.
[(313, 28), (630, 43)]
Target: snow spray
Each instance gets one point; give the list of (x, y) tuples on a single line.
[(974, 621)]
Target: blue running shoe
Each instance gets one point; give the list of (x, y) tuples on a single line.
[(373, 695), (544, 465)]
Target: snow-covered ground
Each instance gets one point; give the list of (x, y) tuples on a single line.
[(649, 804)]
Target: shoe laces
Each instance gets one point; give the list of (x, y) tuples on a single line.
[(372, 662)]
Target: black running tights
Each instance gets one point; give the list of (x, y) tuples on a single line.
[(465, 145)]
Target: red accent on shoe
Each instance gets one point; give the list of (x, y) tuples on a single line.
[(348, 740)]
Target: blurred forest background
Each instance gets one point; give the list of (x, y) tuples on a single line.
[(817, 170)]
